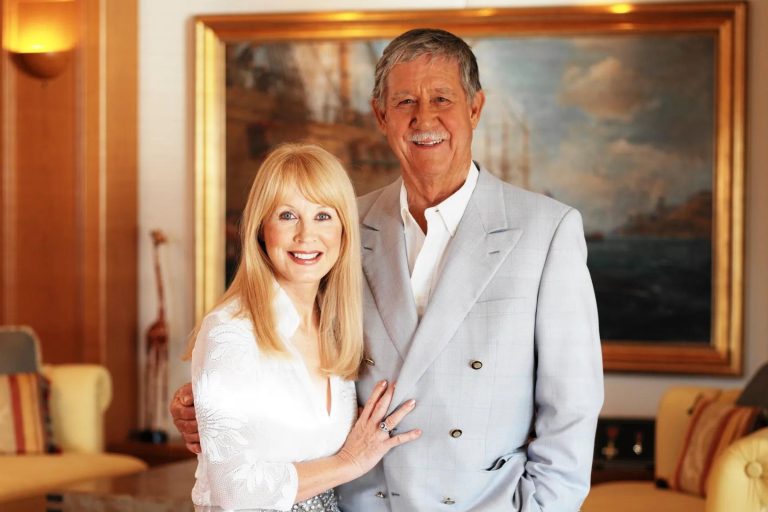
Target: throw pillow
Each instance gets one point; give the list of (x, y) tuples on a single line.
[(713, 426), (24, 421)]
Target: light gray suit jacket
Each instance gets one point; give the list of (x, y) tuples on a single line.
[(505, 364)]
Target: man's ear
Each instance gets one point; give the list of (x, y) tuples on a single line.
[(476, 108), (381, 119)]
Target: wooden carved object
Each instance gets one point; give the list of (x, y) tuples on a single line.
[(156, 376)]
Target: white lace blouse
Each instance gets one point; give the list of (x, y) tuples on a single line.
[(257, 414)]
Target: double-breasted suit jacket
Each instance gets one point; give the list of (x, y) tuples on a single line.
[(505, 363)]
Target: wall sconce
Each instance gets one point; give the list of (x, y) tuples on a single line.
[(40, 35)]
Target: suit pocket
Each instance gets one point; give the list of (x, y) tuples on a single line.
[(501, 307), (520, 453)]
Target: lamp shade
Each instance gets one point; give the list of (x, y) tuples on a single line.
[(42, 65), (40, 35)]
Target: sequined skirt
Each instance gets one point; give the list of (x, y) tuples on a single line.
[(324, 502)]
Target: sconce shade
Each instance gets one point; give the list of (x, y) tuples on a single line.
[(41, 34), (42, 65)]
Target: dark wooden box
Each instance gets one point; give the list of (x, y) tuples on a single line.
[(624, 449)]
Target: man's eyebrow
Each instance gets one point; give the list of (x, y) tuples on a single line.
[(437, 90)]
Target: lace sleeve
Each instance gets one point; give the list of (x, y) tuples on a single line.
[(222, 363)]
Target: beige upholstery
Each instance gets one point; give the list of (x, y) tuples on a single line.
[(738, 480), (80, 395), (77, 423), (639, 497)]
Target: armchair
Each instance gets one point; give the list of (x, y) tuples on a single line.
[(79, 396), (738, 479)]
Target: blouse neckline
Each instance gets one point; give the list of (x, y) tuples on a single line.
[(287, 323)]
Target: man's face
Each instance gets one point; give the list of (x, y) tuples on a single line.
[(428, 119)]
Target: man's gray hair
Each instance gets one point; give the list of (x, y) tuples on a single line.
[(413, 44)]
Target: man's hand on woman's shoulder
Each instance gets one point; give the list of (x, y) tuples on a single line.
[(182, 410)]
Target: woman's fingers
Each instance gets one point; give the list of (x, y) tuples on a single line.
[(403, 438), (367, 442), (377, 405), (368, 408), (394, 419), (382, 406)]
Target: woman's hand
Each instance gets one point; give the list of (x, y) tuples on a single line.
[(367, 442)]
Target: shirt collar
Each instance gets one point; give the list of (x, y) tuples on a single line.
[(452, 208)]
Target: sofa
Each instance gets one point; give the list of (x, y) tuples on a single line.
[(79, 394), (738, 480)]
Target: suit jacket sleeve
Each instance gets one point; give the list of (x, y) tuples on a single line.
[(569, 377)]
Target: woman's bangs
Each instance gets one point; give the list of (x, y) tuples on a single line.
[(317, 185)]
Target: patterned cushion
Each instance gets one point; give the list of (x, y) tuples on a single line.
[(24, 421), (713, 426)]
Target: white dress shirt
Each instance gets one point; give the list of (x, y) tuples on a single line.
[(258, 414), (425, 252)]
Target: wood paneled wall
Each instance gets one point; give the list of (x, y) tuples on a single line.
[(68, 201)]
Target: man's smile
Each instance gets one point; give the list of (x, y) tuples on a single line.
[(428, 139), (430, 143)]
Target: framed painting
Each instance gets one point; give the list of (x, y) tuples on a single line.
[(634, 114)]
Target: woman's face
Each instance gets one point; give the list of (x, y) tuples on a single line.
[(302, 239)]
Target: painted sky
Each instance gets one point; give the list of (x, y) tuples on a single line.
[(615, 122)]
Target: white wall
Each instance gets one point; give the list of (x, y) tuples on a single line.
[(166, 176)]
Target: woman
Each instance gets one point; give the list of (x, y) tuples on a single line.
[(273, 363)]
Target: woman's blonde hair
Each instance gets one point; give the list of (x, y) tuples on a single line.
[(319, 177)]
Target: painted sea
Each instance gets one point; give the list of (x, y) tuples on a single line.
[(652, 289)]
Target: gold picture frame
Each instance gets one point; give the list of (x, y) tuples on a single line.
[(723, 22)]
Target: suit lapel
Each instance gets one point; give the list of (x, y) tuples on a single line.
[(481, 243), (386, 268)]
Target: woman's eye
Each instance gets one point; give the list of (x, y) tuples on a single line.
[(406, 102), (323, 216), (286, 216)]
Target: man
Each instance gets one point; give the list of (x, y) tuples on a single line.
[(478, 303)]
